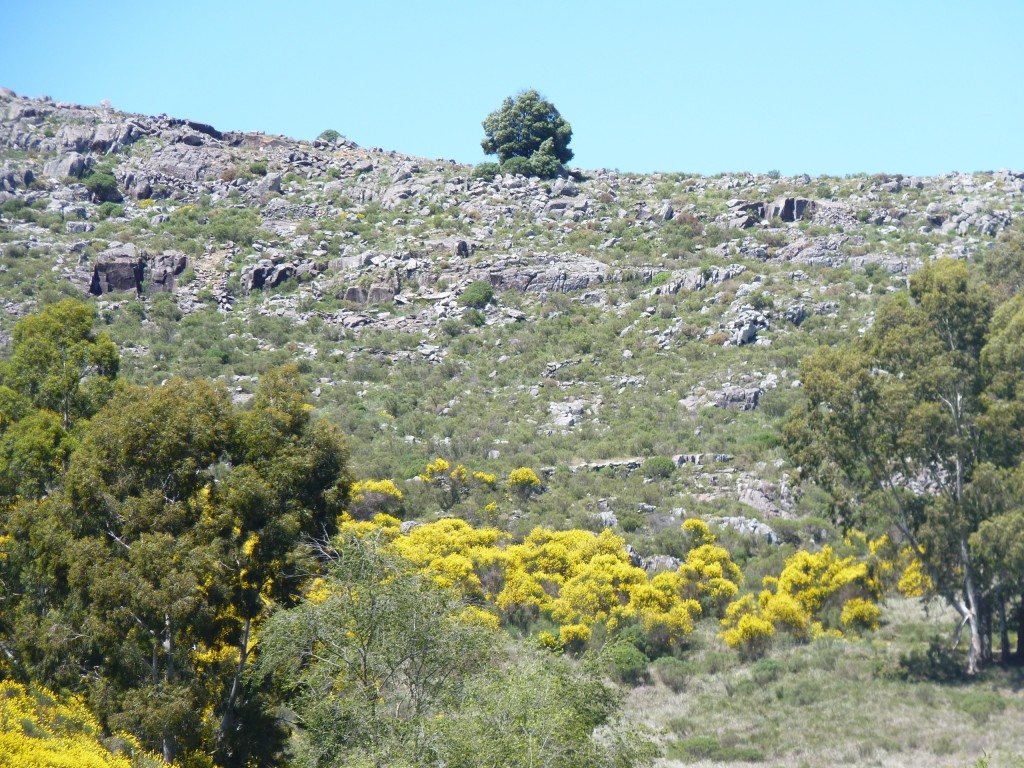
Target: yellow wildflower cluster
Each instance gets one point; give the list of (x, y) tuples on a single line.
[(434, 471), (576, 578), (797, 600), (370, 497), (454, 484), (38, 729), (522, 482), (708, 574)]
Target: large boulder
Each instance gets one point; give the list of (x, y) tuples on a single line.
[(163, 270), (118, 269), (69, 164), (265, 274), (789, 208)]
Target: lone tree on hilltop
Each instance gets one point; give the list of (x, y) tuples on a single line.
[(528, 135)]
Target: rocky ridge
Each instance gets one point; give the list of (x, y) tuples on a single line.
[(360, 242)]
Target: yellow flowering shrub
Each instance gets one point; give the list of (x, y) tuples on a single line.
[(434, 470), (370, 497), (485, 478), (745, 629), (813, 589), (523, 482), (914, 582), (860, 614), (575, 578), (40, 730), (708, 574)]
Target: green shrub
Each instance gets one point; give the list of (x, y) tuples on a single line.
[(661, 278), (627, 664), (478, 295), (103, 187), (658, 467), (518, 166), (486, 171), (708, 748), (674, 673), (330, 135), (766, 671), (258, 167), (110, 211)]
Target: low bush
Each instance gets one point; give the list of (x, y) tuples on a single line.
[(477, 295)]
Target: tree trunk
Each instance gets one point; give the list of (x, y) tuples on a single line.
[(971, 610), (1004, 633), (985, 623), (1020, 630), (236, 683), (974, 651)]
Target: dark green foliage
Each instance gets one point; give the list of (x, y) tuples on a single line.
[(528, 135), (658, 467), (177, 525), (627, 664), (330, 135), (930, 395), (478, 295), (382, 668), (103, 187), (258, 167), (486, 171), (109, 210), (1004, 263)]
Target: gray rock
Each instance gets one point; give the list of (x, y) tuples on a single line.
[(70, 164), (163, 270), (738, 398), (117, 269), (269, 183), (789, 208), (748, 526)]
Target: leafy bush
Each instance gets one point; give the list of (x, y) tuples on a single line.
[(330, 135), (486, 171), (258, 167), (627, 664), (658, 467), (674, 673), (110, 211), (103, 187), (478, 295)]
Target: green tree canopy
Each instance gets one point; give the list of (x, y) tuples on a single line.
[(59, 363), (918, 425), (383, 666), (179, 523), (528, 135)]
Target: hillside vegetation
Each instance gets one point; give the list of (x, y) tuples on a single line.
[(316, 455)]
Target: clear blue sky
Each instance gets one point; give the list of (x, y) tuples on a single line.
[(823, 87)]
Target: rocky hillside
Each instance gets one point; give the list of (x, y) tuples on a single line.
[(634, 316)]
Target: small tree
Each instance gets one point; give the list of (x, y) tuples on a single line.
[(528, 135)]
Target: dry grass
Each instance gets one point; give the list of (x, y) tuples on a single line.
[(840, 703)]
